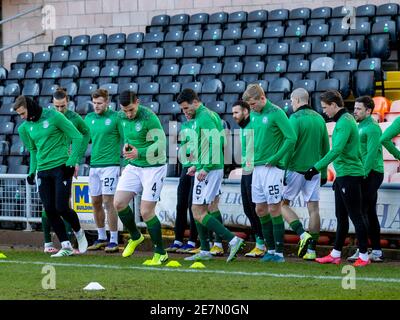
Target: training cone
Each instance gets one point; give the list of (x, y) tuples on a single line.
[(94, 286), (197, 265), (173, 264), (3, 256), (147, 262)]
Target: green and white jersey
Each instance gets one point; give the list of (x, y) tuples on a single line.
[(146, 134), (48, 141), (371, 148), (274, 137), (312, 140), (107, 136), (185, 149), (208, 128), (78, 122), (345, 153), (392, 131)]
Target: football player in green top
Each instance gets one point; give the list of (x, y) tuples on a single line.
[(274, 137), (145, 151), (371, 152), (106, 135), (60, 102), (312, 144), (347, 161), (47, 134)]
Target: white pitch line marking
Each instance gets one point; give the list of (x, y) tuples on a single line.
[(243, 273)]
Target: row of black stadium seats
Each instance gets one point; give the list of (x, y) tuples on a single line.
[(369, 10), (271, 81), (334, 28), (194, 70), (269, 34), (178, 53)]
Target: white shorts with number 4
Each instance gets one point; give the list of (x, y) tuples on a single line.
[(267, 185), (103, 180), (296, 183), (206, 191), (147, 181)]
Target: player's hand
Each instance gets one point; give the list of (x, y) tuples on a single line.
[(76, 171), (130, 152), (191, 171), (31, 179), (323, 181), (202, 175), (310, 173)]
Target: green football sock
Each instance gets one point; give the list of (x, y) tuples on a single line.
[(297, 227), (128, 220), (268, 231), (46, 227), (213, 224), (313, 243), (203, 236), (218, 216), (154, 228), (279, 231)]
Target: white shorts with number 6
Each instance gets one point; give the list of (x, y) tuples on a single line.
[(204, 192), (267, 185), (103, 181), (146, 181)]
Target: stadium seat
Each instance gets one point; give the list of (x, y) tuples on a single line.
[(188, 72), (153, 105), (31, 90), (391, 116), (217, 106), (210, 71), (168, 92), (195, 86), (7, 128), (128, 86), (364, 83), (199, 18), (306, 84), (116, 38), (170, 108)]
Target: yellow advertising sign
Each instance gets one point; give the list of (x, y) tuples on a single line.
[(81, 198)]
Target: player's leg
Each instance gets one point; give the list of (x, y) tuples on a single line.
[(152, 180), (313, 228), (128, 186), (296, 183), (109, 178), (48, 244), (250, 211), (213, 209), (259, 198), (369, 189), (95, 191), (352, 201), (47, 192), (204, 192), (63, 191), (342, 227), (274, 191), (182, 204)]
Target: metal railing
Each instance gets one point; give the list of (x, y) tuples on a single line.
[(19, 201), (21, 15)]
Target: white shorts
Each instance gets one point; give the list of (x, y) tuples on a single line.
[(206, 191), (267, 185), (147, 181), (296, 183), (103, 180)]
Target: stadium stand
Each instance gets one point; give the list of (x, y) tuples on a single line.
[(217, 55)]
